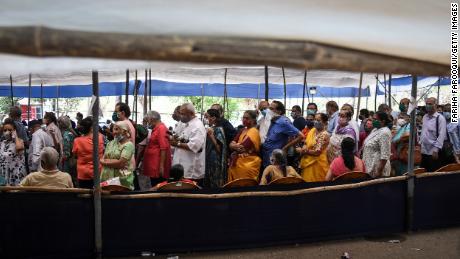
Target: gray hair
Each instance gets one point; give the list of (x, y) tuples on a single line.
[(279, 157), (154, 115), (49, 158), (64, 121), (189, 107), (435, 101)]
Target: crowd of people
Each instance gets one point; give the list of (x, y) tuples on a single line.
[(208, 151)]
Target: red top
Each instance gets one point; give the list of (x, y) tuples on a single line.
[(338, 166), (158, 141), (83, 149)]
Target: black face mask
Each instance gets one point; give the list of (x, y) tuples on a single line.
[(361, 117), (310, 123)]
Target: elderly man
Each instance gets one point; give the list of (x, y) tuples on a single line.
[(265, 121), (40, 140), (49, 176), (279, 134), (190, 145), (332, 110), (433, 135)]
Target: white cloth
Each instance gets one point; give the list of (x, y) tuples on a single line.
[(264, 124), (54, 129), (192, 160), (40, 139)]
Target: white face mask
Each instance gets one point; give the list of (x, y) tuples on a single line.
[(269, 114)]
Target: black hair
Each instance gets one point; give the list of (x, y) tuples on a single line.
[(364, 112), (123, 107), (252, 114), (34, 123), (220, 109), (348, 114), (79, 114), (324, 117), (316, 106), (85, 125), (50, 116), (15, 112), (348, 146), (332, 104), (296, 108), (9, 121), (176, 173), (214, 113), (280, 107), (383, 116)]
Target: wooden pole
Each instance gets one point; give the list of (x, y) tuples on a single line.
[(303, 93), (389, 92), (359, 94), (376, 90), (41, 100), (44, 41), (150, 89), (11, 90), (28, 99), (97, 180), (266, 83), (145, 93), (127, 87), (410, 162), (284, 86)]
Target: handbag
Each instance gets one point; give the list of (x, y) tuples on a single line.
[(404, 154)]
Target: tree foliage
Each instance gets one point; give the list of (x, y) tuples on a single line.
[(230, 113)]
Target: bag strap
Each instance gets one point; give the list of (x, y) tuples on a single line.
[(437, 126)]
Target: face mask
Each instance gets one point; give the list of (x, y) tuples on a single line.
[(311, 112), (429, 107), (7, 135), (119, 138), (376, 124), (263, 112), (310, 124), (115, 116), (361, 117), (402, 107), (401, 122), (367, 129), (447, 115), (293, 115), (269, 113), (318, 126)]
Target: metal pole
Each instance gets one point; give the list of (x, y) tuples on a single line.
[(266, 83), (135, 97), (359, 94), (410, 162), (150, 89), (439, 88), (367, 97), (376, 90), (385, 83), (389, 92), (11, 90), (97, 180), (202, 100), (41, 99), (145, 93), (28, 101), (127, 87), (225, 94), (284, 85), (57, 101), (303, 92)]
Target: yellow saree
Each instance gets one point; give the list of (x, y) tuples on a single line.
[(247, 164), (314, 168)]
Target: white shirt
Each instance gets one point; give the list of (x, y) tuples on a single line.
[(40, 139), (264, 125), (193, 161)]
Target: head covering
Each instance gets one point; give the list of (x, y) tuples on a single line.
[(124, 126)]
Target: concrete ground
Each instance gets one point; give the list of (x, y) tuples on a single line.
[(444, 243)]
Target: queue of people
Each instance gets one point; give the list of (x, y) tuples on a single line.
[(210, 152)]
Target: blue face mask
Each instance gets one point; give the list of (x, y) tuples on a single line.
[(263, 112), (447, 115), (311, 112)]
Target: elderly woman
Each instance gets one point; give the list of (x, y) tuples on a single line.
[(117, 163), (83, 151), (347, 162), (68, 163), (343, 130), (157, 154), (53, 130), (215, 174), (49, 176), (278, 168), (314, 162), (377, 147), (245, 160), (12, 161)]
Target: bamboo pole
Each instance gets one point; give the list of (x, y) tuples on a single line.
[(41, 99), (266, 83), (127, 87), (44, 41), (359, 95), (439, 89), (410, 162), (385, 86), (376, 90), (28, 100), (389, 92), (11, 90), (135, 98), (150, 89), (225, 95), (202, 101), (145, 93), (303, 93), (97, 185), (284, 86), (57, 101)]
